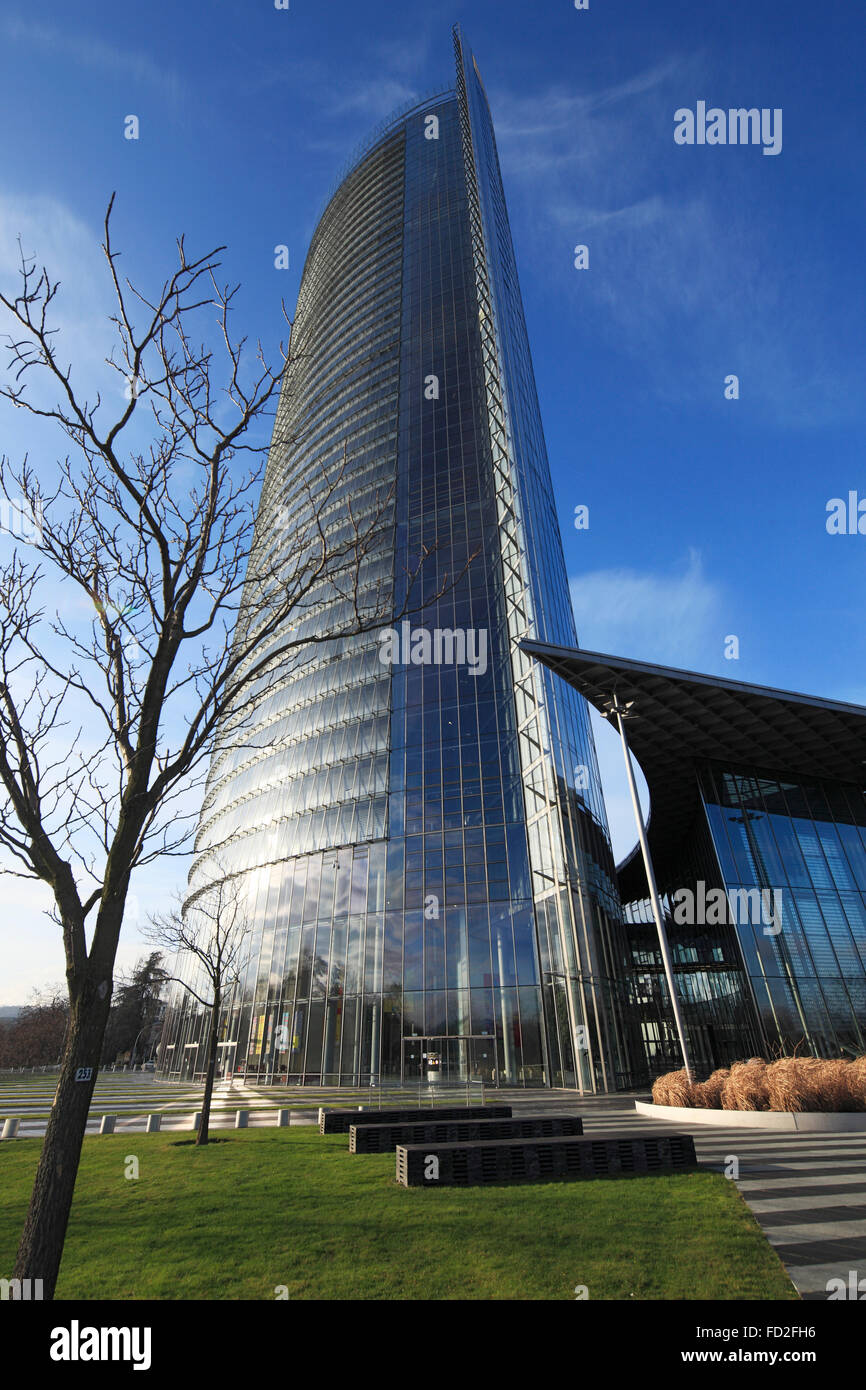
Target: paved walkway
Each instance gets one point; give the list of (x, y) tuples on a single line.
[(134, 1096), (807, 1191)]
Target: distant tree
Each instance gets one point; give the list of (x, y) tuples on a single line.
[(212, 933), (36, 1037), (135, 1009)]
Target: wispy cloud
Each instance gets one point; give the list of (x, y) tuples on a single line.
[(532, 116), (371, 100), (92, 52), (46, 231), (689, 273), (675, 618), (406, 55), (396, 63), (32, 958)]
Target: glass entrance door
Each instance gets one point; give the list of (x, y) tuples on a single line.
[(467, 1057)]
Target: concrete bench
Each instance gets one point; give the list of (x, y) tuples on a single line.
[(542, 1159), (338, 1121), (368, 1139)]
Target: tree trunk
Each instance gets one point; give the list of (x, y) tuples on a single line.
[(211, 1069), (41, 1246)]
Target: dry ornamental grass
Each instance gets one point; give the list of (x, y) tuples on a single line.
[(858, 1079), (708, 1094), (746, 1086), (799, 1084), (673, 1089)]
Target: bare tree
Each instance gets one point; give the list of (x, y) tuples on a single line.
[(35, 1038), (214, 933), (108, 707)]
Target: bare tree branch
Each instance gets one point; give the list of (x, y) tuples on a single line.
[(163, 642)]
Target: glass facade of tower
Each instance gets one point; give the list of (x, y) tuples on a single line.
[(421, 839), (713, 989), (773, 959), (803, 844)]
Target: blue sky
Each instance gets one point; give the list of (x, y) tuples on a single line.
[(707, 515)]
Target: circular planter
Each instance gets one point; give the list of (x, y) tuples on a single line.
[(802, 1121)]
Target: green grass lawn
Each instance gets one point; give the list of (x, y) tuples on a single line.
[(292, 1207)]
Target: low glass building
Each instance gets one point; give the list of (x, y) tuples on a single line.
[(757, 834)]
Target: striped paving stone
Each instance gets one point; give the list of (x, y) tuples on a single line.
[(814, 1215), (133, 1097)]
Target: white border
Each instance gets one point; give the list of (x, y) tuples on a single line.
[(686, 1115)]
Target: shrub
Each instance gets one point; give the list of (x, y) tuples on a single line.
[(745, 1088), (858, 1081), (791, 1083), (708, 1094), (799, 1083), (841, 1081), (675, 1088), (811, 1083)]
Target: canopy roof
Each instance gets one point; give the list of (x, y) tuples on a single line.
[(680, 718)]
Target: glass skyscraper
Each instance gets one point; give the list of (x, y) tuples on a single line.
[(422, 848)]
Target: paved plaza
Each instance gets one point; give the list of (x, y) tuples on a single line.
[(132, 1097)]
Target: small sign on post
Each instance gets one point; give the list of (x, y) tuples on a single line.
[(83, 1073)]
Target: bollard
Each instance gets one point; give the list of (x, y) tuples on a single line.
[(242, 1119), (196, 1120), (153, 1124), (10, 1128), (107, 1125), (283, 1119)]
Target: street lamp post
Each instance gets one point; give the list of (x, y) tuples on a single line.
[(622, 712)]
